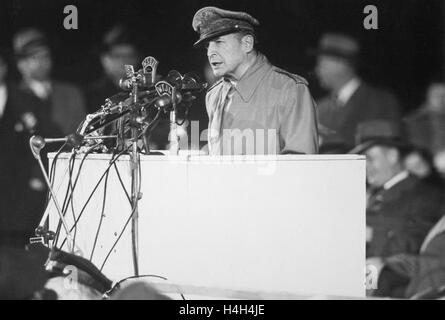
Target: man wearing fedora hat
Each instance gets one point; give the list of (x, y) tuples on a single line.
[(401, 208), (44, 106), (269, 107), (351, 101)]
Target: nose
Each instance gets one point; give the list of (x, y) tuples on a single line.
[(211, 49)]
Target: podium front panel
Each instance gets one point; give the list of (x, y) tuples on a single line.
[(285, 224)]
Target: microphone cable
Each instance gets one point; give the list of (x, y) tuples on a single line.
[(74, 186), (94, 190)]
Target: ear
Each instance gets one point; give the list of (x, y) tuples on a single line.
[(248, 43)]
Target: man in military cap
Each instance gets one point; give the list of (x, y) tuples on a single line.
[(255, 108)]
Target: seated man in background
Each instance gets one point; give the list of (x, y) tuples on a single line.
[(401, 208)]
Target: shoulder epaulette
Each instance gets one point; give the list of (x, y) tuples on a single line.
[(295, 77)]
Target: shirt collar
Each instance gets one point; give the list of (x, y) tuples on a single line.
[(251, 79), (395, 180), (40, 88), (348, 89)]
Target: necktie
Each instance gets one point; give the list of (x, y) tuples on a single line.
[(375, 199), (215, 133)]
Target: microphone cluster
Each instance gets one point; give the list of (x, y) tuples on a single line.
[(153, 90)]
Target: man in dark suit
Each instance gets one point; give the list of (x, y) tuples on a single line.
[(57, 107), (45, 107), (351, 101), (401, 208), (9, 155)]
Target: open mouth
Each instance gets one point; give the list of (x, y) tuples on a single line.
[(216, 64)]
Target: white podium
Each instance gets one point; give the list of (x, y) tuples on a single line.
[(277, 227)]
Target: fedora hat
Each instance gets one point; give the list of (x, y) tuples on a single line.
[(28, 42), (382, 133), (337, 45)]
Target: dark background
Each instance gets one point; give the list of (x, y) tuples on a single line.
[(404, 54)]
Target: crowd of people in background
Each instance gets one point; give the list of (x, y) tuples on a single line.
[(404, 170), (405, 153)]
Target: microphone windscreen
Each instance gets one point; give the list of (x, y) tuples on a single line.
[(74, 140)]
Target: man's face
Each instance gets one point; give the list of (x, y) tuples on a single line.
[(36, 67), (381, 164), (226, 55), (119, 55), (330, 70)]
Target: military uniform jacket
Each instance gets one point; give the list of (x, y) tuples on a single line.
[(269, 104)]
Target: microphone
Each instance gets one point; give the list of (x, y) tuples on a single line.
[(74, 140), (165, 100), (37, 143), (118, 97), (187, 82), (140, 78), (115, 103)]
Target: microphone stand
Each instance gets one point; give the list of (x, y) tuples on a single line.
[(37, 144), (174, 140), (135, 183)]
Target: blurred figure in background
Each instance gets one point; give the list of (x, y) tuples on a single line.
[(118, 49), (350, 101), (45, 107), (401, 208), (9, 144), (57, 107), (419, 162), (426, 126)]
